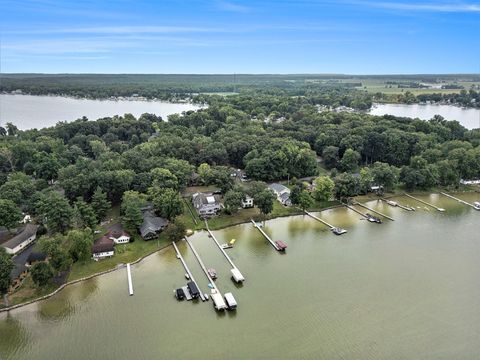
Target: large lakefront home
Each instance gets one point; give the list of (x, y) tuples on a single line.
[(282, 193), (21, 240), (206, 204)]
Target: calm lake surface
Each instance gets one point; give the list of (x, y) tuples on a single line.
[(470, 118), (28, 112), (405, 289)]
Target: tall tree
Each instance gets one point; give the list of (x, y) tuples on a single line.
[(167, 202), (6, 267), (233, 200), (324, 186), (55, 211), (100, 203), (84, 214), (132, 202), (264, 201), (305, 200), (10, 215), (41, 273)]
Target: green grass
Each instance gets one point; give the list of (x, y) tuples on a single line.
[(29, 291), (124, 253)]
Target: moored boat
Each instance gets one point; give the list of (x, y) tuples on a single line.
[(373, 219), (212, 273), (476, 205)]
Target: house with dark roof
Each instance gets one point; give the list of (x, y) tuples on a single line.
[(282, 193), (102, 248), (21, 240), (206, 204), (119, 236), (152, 225), (35, 257)]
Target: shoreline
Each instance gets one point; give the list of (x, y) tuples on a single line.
[(122, 265)]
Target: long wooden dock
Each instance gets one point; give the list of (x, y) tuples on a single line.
[(335, 230), (459, 200), (318, 219), (353, 209), (129, 277), (202, 265), (235, 269), (424, 202), (266, 236), (372, 210), (180, 257)]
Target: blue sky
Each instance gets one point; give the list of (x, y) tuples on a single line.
[(227, 36)]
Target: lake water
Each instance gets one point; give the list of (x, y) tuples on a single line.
[(470, 118), (28, 111), (405, 289)]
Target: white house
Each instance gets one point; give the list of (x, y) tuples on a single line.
[(247, 202), (103, 248), (21, 241), (119, 237), (206, 204), (282, 193)]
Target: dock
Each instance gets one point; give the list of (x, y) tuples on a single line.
[(180, 257), (218, 300), (424, 202), (459, 200), (129, 277), (396, 204), (333, 228), (235, 272), (375, 211), (266, 236)]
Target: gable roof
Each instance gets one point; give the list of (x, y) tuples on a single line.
[(103, 244), (27, 232), (118, 233), (278, 187), (152, 223), (200, 199)]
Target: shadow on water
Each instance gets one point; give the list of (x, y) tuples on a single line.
[(64, 304), (13, 335)]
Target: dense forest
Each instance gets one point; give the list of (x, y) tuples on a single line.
[(68, 176), (178, 87)]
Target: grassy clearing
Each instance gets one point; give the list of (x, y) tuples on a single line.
[(124, 253), (29, 291)]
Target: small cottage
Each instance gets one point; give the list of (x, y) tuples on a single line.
[(21, 241), (247, 202), (102, 248), (119, 236)]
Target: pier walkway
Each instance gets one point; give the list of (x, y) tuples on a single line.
[(266, 236), (459, 200), (396, 204), (129, 277), (335, 230), (236, 274), (372, 210), (424, 202), (180, 257)]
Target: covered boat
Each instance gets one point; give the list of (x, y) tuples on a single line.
[(281, 246)]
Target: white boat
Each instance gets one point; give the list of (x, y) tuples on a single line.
[(237, 275), (231, 302), (476, 205)]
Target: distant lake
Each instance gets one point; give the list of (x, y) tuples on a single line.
[(470, 118), (28, 111)]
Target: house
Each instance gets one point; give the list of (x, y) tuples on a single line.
[(247, 202), (206, 204), (282, 193), (152, 225), (20, 241), (103, 248), (119, 236), (35, 257)]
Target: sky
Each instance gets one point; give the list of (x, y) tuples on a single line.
[(235, 36)]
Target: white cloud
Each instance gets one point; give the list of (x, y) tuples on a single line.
[(230, 6), (430, 6)]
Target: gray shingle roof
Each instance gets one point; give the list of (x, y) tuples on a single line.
[(29, 230), (277, 187), (152, 223)]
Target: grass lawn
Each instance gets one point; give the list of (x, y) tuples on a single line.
[(124, 253)]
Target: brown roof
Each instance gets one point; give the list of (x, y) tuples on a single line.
[(28, 231), (116, 234), (102, 245)]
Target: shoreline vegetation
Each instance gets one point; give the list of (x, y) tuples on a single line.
[(215, 224)]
